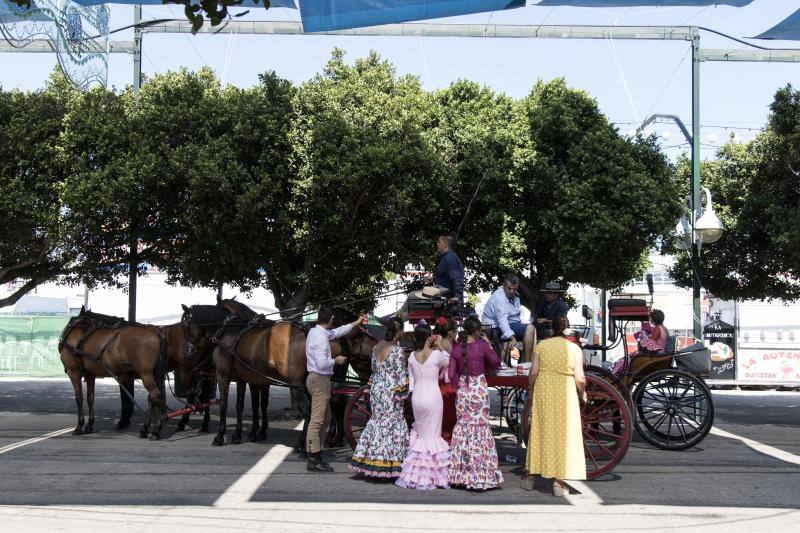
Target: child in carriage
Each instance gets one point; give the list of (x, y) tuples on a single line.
[(651, 340)]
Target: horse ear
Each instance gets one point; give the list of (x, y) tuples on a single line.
[(83, 309), (185, 309)]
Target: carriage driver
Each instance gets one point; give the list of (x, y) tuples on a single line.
[(448, 276), (502, 312), (319, 363)]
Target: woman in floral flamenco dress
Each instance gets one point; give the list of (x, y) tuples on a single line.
[(384, 442), (473, 455)]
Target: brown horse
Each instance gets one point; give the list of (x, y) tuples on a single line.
[(91, 348), (193, 372), (264, 353)]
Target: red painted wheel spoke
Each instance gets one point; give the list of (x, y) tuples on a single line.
[(600, 445), (604, 433), (591, 455), (598, 408)]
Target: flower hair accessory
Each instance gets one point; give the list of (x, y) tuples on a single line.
[(442, 321), (422, 322)]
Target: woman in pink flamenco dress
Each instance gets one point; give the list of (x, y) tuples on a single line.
[(427, 462)]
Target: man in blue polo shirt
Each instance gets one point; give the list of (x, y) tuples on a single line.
[(552, 306), (502, 313)]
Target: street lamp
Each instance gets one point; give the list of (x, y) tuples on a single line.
[(708, 228)]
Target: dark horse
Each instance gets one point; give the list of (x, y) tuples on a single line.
[(260, 352), (94, 345)]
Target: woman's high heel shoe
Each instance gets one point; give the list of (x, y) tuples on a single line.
[(560, 490)]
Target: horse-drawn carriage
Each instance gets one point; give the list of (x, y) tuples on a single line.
[(670, 407)]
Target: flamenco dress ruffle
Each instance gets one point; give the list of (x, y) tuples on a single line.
[(426, 465)]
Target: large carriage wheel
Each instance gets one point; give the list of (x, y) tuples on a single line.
[(674, 410), (606, 426), (516, 400), (358, 412), (356, 415), (612, 379)]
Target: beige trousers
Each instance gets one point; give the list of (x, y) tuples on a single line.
[(319, 386)]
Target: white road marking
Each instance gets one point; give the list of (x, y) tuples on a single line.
[(586, 497), (243, 488), (14, 446), (759, 447)]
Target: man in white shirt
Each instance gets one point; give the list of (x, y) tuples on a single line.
[(502, 313), (319, 363)]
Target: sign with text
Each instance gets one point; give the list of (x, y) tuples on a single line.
[(772, 365), (719, 333)]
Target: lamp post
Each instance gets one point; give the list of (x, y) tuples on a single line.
[(706, 228)]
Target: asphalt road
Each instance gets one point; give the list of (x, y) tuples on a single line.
[(744, 476)]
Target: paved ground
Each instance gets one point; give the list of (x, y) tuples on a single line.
[(745, 476)]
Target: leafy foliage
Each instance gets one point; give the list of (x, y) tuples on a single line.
[(34, 244), (756, 195)]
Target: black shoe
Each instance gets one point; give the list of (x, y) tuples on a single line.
[(313, 466)]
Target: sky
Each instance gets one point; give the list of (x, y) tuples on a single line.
[(630, 79)]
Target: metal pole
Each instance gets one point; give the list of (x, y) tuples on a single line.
[(603, 321), (695, 189), (133, 271), (133, 265), (137, 48)]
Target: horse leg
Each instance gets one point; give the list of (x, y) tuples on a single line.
[(304, 404), (205, 397), (190, 399), (224, 386), (241, 390), (262, 435), (90, 404), (153, 409), (75, 378), (255, 396), (126, 412)]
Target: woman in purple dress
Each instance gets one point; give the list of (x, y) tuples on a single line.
[(426, 465), (473, 456)]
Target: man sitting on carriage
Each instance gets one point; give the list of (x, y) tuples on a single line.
[(447, 281), (502, 314)]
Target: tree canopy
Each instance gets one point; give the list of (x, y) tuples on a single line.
[(756, 195), (323, 192)]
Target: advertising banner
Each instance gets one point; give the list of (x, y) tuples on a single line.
[(772, 365), (719, 332)]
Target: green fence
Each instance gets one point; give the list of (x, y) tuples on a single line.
[(29, 345)]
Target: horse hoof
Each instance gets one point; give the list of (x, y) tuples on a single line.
[(78, 431), (88, 430), (122, 424), (143, 434), (236, 439), (155, 436), (219, 440), (180, 427), (203, 429), (252, 437), (262, 435)]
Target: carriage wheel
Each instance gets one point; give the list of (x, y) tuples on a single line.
[(514, 411), (674, 410), (606, 426), (358, 412), (356, 415), (612, 379)]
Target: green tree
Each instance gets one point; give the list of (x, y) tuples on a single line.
[(757, 198), (587, 204), (472, 192), (359, 158), (35, 244), (227, 229)]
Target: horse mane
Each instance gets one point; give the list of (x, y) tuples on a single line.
[(238, 308), (208, 314), (342, 316), (98, 317)]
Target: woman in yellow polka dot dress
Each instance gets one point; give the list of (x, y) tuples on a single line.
[(555, 446)]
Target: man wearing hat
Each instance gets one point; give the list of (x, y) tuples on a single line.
[(552, 306), (502, 313)]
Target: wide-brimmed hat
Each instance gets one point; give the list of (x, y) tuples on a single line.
[(552, 287)]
